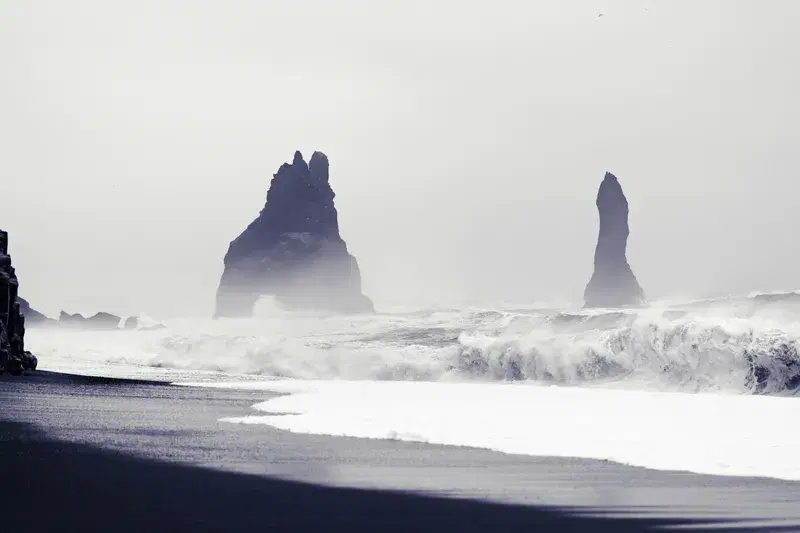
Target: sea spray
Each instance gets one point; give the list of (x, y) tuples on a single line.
[(740, 345)]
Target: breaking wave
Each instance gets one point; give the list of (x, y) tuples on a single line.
[(741, 345)]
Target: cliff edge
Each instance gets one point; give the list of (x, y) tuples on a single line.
[(13, 356)]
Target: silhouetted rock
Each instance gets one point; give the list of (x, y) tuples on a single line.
[(293, 249), (65, 318), (104, 321), (13, 356), (97, 321), (32, 316), (613, 283), (131, 323)]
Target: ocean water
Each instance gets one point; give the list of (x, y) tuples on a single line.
[(704, 386), (743, 345)]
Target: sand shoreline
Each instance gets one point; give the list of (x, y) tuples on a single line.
[(116, 443)]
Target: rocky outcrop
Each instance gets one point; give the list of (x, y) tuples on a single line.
[(293, 250), (613, 283), (97, 321), (13, 357), (32, 316)]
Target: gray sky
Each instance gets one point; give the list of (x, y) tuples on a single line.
[(467, 141)]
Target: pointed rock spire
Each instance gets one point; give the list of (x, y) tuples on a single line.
[(298, 162), (318, 165), (613, 283)]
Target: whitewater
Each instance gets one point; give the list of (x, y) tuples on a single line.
[(704, 386)]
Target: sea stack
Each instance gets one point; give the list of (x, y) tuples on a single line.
[(13, 357), (613, 283), (293, 250)]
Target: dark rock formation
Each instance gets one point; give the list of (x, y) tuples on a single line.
[(67, 319), (97, 321), (13, 356), (32, 316), (293, 250), (613, 283), (104, 321)]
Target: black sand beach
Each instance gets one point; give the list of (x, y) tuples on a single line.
[(120, 455)]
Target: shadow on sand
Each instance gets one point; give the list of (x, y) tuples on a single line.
[(49, 485)]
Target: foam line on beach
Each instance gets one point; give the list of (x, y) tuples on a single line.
[(733, 435)]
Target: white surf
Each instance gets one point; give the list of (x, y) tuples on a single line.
[(701, 386)]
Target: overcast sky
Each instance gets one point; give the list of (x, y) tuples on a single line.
[(467, 141)]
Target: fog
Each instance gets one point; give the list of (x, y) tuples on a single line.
[(467, 141)]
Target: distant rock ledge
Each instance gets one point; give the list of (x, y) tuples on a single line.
[(14, 359), (32, 316), (293, 250), (613, 283), (101, 321), (98, 321)]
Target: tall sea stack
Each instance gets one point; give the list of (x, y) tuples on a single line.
[(293, 250), (613, 283), (13, 357)]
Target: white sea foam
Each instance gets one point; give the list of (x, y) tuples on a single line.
[(483, 377), (733, 435), (745, 345)]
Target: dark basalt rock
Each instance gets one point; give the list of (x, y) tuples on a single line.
[(613, 283), (14, 359), (293, 249)]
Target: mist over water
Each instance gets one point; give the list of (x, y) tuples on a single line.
[(736, 345), (466, 142)]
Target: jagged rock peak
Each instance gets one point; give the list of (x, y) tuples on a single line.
[(318, 165), (611, 190), (293, 250), (101, 320), (613, 283), (298, 161), (32, 316)]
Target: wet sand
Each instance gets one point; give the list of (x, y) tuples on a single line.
[(123, 455)]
